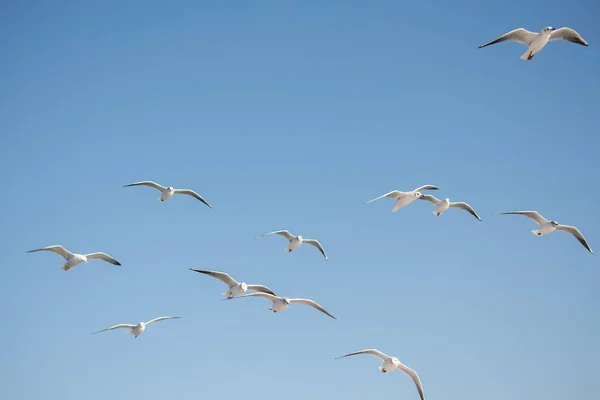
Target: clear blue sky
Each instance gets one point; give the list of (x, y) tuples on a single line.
[(288, 115)]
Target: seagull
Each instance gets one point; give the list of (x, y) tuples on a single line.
[(296, 241), (404, 198), (281, 303), (547, 227), (536, 41), (443, 205), (74, 259), (390, 364), (235, 287), (167, 192), (136, 330)]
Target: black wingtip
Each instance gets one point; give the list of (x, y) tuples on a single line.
[(117, 263)]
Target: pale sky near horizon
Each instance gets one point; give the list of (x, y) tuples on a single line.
[(289, 115)]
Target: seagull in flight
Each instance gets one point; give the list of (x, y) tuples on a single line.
[(136, 330), (167, 192), (235, 288), (281, 303), (390, 364), (535, 41), (296, 241), (74, 259), (547, 227), (404, 198), (442, 205)]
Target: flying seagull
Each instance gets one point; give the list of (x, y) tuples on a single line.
[(281, 303), (443, 205), (235, 287), (536, 41), (74, 259), (296, 241), (390, 364), (404, 198), (547, 227), (136, 330), (167, 192)]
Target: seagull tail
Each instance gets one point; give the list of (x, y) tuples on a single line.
[(528, 55), (65, 267)]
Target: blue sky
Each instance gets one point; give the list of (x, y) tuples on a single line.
[(288, 115)]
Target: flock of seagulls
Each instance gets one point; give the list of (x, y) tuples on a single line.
[(236, 290)]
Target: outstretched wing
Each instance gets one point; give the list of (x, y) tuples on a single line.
[(103, 257), (222, 276), (518, 35), (148, 183), (568, 34), (193, 194), (374, 352), (394, 194), (261, 288), (312, 303), (286, 234), (160, 319), (426, 187), (129, 326), (464, 206), (534, 215), (577, 233), (316, 243), (58, 249), (432, 199), (267, 296), (414, 376)]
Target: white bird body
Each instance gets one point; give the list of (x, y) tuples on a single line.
[(281, 303), (138, 329), (441, 206), (166, 192), (545, 229), (404, 198), (296, 241), (74, 259), (235, 288), (538, 43)]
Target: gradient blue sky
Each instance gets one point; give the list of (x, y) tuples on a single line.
[(288, 115)]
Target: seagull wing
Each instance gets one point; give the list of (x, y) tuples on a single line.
[(261, 288), (316, 243), (518, 35), (129, 326), (394, 194), (193, 194), (374, 352), (286, 234), (103, 257), (267, 296), (148, 183), (432, 199), (58, 249), (426, 187), (568, 34), (464, 206), (222, 276), (312, 303), (534, 215), (414, 376), (160, 319), (577, 233)]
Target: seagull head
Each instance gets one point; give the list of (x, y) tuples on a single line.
[(418, 194), (84, 259), (170, 188), (549, 29), (243, 286), (395, 361), (286, 301), (554, 223)]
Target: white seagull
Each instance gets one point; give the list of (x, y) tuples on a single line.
[(138, 329), (167, 192), (404, 198), (442, 205), (296, 241), (535, 41), (74, 259), (390, 364), (235, 288), (281, 303), (547, 227)]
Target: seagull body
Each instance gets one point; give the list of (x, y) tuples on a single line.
[(167, 192), (235, 288), (547, 227), (281, 303), (536, 41), (441, 206), (404, 198), (390, 364), (138, 329), (296, 241), (74, 259)]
